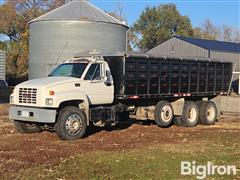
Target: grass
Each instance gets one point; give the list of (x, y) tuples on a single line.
[(154, 162), (161, 161)]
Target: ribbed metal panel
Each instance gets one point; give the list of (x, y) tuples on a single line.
[(213, 45), (2, 64), (227, 56), (178, 48)]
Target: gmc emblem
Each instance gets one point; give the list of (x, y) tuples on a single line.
[(26, 96)]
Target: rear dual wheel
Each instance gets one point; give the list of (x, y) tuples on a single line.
[(207, 112), (190, 115), (203, 112), (163, 114)]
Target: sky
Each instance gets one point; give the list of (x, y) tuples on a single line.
[(217, 11)]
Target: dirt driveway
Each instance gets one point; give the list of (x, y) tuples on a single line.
[(19, 151)]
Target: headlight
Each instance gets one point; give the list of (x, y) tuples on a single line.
[(49, 101), (11, 99)]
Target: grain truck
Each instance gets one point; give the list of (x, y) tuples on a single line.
[(102, 90)]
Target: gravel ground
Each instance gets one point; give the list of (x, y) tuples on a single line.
[(19, 151)]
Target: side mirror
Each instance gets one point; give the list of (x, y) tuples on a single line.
[(108, 81)]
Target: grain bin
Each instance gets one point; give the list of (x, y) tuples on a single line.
[(2, 65), (76, 26)]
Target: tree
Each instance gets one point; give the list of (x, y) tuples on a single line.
[(120, 11), (15, 15), (121, 16), (10, 21), (212, 32), (156, 24), (53, 4), (207, 31), (228, 33)]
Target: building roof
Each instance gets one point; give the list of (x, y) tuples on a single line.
[(80, 10), (212, 44)]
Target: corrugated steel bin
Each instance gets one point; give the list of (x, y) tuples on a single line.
[(2, 65), (72, 28)]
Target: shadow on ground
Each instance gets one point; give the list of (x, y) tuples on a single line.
[(120, 126)]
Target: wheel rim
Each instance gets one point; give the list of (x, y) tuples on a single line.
[(166, 114), (211, 113), (73, 124), (192, 115)]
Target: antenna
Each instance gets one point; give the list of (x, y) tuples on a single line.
[(66, 44)]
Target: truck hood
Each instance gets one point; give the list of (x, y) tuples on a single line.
[(47, 82)]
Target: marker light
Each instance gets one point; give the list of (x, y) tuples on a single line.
[(51, 93)]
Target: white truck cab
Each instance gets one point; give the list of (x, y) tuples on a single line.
[(81, 82)]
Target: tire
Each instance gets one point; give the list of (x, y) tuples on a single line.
[(201, 106), (207, 112), (71, 123), (25, 127), (190, 114), (163, 114), (124, 116)]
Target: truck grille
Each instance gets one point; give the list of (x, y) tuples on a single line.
[(28, 95)]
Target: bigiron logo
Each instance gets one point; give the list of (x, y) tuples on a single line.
[(202, 171)]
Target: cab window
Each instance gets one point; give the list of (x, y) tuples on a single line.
[(94, 72), (69, 70)]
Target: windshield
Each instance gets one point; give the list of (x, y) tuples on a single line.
[(69, 70)]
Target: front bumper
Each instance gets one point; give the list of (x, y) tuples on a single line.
[(32, 114)]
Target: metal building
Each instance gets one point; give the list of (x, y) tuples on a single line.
[(2, 65), (179, 46), (74, 27)]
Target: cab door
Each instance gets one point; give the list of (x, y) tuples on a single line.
[(98, 87)]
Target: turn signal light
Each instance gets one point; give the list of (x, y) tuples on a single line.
[(51, 93)]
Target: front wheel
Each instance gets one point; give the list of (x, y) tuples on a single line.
[(26, 127), (71, 123)]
